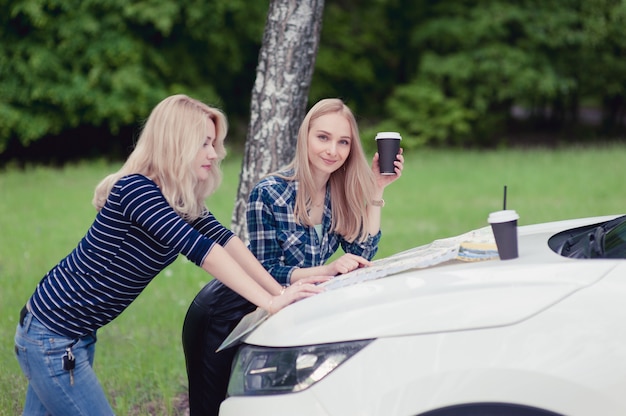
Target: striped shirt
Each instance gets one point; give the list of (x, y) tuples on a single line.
[(133, 237), (280, 243)]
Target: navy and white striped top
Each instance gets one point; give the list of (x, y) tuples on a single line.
[(133, 237)]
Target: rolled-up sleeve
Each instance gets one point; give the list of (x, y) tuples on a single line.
[(366, 248), (208, 225)]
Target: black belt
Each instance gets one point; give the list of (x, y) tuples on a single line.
[(23, 313)]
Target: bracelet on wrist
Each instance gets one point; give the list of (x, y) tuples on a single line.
[(378, 202), (269, 309)]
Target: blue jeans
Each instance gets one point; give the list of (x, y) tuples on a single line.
[(50, 391)]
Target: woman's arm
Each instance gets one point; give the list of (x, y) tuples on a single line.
[(221, 265), (374, 209), (148, 208), (237, 249), (244, 257), (342, 265)]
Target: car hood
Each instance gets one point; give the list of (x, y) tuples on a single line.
[(450, 296)]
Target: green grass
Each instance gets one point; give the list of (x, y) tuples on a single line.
[(44, 212)]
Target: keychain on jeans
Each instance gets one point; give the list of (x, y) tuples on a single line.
[(69, 362)]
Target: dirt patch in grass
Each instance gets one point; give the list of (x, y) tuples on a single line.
[(180, 405)]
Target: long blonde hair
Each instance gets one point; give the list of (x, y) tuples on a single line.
[(351, 186), (166, 150)]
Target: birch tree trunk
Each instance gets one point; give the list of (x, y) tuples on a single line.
[(280, 93)]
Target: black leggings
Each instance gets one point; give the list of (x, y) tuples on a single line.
[(213, 314)]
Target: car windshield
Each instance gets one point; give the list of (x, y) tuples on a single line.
[(605, 240)]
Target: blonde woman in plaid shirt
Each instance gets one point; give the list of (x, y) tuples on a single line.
[(328, 196)]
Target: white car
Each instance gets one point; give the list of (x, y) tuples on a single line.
[(434, 335)]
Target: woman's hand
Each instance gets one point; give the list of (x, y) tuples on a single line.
[(347, 263), (383, 180), (304, 288)]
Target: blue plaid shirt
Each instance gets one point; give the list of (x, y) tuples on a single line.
[(280, 243)]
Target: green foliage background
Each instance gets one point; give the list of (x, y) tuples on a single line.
[(445, 72), (65, 63)]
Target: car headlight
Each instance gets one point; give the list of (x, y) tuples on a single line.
[(265, 370)]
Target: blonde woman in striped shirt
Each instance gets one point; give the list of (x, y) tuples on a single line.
[(148, 213)]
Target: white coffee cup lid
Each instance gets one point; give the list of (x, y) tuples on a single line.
[(503, 216), (388, 135)]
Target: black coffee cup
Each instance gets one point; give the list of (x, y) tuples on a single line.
[(388, 143), (504, 227)]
